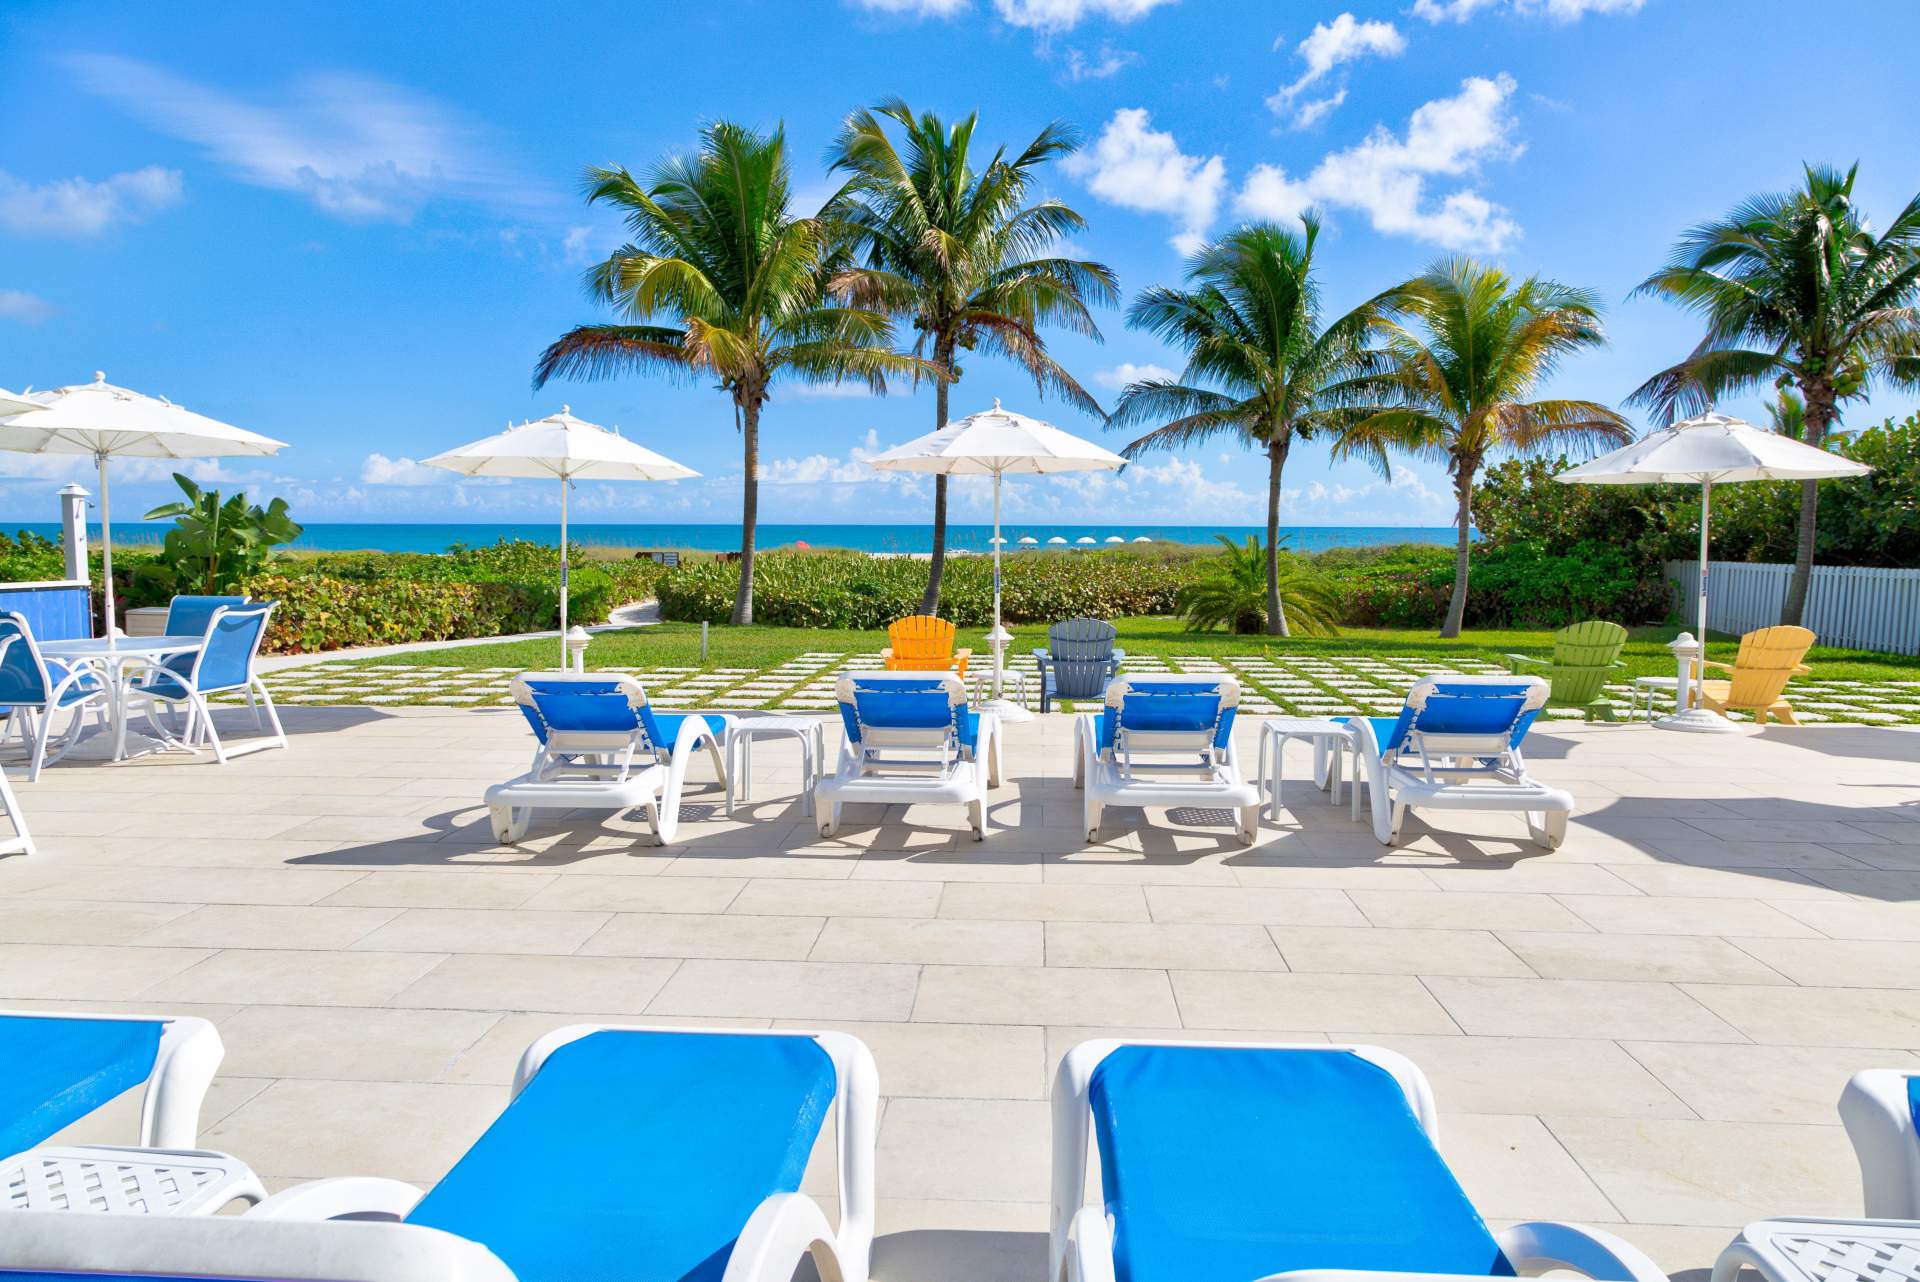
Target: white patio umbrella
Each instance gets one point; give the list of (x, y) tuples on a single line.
[(15, 404), (1085, 540), (1028, 541), (994, 443), (1710, 450), (1058, 538), (567, 449), (1141, 538), (1114, 538), (105, 421)]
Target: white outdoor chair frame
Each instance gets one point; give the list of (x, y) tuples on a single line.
[(34, 726), (783, 1230), (1879, 1120), (594, 770), (1080, 1237), (199, 717), (869, 771), (1211, 779), (1455, 771)]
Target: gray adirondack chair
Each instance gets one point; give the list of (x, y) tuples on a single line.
[(1079, 660)]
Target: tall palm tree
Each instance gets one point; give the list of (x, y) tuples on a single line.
[(1259, 363), (1796, 291), (962, 253), (741, 284), (1457, 390)]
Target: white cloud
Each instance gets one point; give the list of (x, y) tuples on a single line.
[(1556, 10), (916, 8), (1386, 176), (1104, 62), (80, 207), (574, 249), (1406, 499), (1137, 167), (19, 305), (1328, 46), (378, 469), (824, 469), (358, 148), (1064, 15), (1127, 372)]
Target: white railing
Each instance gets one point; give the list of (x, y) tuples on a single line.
[(1852, 606)]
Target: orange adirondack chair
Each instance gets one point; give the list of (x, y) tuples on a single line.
[(1767, 658), (923, 643)]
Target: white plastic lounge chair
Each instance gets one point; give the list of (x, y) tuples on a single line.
[(33, 688), (1164, 741), (1224, 1162), (601, 746), (62, 1067), (222, 665), (650, 1154), (910, 739), (1881, 1109), (1456, 746)]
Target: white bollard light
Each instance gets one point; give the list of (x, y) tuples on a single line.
[(578, 639), (1687, 714)]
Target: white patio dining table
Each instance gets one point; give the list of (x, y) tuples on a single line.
[(117, 660)]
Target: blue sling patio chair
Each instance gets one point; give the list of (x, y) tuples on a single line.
[(909, 738), (1456, 746), (1164, 741), (645, 1155), (222, 665), (1079, 659), (1228, 1162), (33, 688), (61, 1068), (600, 745)]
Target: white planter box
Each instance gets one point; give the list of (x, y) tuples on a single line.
[(147, 621)]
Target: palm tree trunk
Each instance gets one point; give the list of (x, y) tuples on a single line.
[(1457, 607), (1276, 609), (930, 603), (1819, 399), (749, 508)]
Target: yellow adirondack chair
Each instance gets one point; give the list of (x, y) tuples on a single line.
[(923, 643), (1767, 658)]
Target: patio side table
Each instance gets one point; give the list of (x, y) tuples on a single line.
[(1274, 733), (810, 731), (1814, 1250)]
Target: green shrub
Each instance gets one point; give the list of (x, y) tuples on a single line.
[(1232, 592), (316, 612), (27, 558), (1517, 585)]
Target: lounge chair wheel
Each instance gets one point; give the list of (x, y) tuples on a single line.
[(509, 823), (977, 819), (1249, 826), (1548, 829)]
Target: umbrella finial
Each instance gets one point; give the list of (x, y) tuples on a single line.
[(566, 409), (996, 402), (100, 376)]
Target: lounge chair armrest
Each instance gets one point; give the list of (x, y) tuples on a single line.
[(1537, 1246), (963, 654), (1089, 1247), (886, 652), (1801, 670), (1516, 661), (781, 1232), (1715, 663), (361, 1196)]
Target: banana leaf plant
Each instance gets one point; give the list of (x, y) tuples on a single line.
[(215, 546)]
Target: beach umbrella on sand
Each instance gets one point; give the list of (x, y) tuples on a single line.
[(105, 421), (1113, 538), (1057, 539), (1710, 450), (565, 448), (994, 443), (1028, 541), (1085, 540), (1141, 538)]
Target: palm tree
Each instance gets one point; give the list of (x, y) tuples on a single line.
[(718, 253), (1796, 291), (1258, 362), (1458, 391), (961, 253), (1232, 593)]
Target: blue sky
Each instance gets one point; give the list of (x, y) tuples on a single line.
[(354, 227)]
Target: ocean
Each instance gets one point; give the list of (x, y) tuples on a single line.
[(423, 537)]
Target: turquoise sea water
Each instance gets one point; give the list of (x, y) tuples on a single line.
[(865, 538)]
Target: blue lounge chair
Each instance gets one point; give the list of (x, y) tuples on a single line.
[(1881, 1109), (1164, 741), (188, 616), (33, 688), (1456, 746), (222, 665), (910, 739), (1231, 1162), (61, 1068), (1079, 660), (600, 745), (648, 1155)]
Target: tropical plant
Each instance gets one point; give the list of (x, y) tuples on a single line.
[(1259, 364), (961, 253), (214, 546), (1787, 414), (1457, 390), (718, 252), (1796, 290), (1232, 592)]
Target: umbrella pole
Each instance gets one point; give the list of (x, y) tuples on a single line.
[(563, 571), (1706, 500), (106, 543), (999, 650)]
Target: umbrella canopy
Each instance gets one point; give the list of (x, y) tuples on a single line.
[(565, 448), (1058, 538), (10, 403), (1085, 540), (1028, 541), (1114, 538), (994, 443), (105, 421), (1141, 538)]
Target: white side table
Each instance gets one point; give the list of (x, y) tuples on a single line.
[(1644, 687), (810, 731), (124, 1181), (1011, 680), (1813, 1250), (1274, 733)]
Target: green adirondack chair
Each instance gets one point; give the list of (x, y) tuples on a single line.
[(1583, 655)]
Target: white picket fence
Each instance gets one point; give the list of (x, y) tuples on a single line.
[(1852, 606)]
